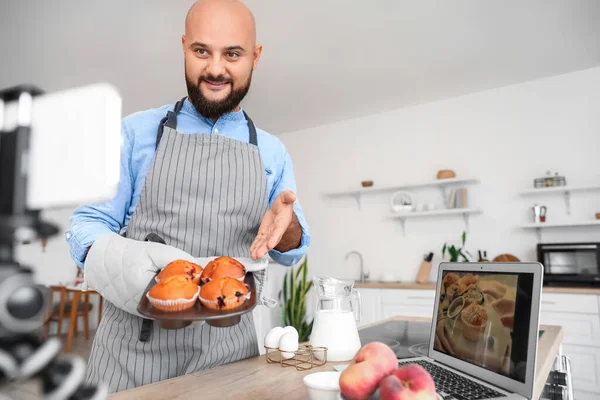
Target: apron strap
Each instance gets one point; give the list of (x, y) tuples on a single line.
[(148, 323), (170, 120), (252, 130)]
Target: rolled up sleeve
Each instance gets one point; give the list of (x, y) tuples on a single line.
[(287, 181)]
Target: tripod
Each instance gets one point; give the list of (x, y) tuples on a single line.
[(22, 303)]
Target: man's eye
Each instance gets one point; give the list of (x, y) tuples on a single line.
[(232, 54), (201, 52)]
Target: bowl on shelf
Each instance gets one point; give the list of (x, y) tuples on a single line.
[(598, 215), (446, 174), (366, 183), (401, 202)]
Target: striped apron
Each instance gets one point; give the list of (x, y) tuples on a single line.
[(205, 194)]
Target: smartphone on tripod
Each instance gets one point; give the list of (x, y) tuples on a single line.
[(56, 150)]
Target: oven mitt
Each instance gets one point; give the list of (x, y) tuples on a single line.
[(120, 268), (260, 278)]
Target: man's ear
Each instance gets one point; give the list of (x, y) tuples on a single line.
[(257, 53), (183, 43)]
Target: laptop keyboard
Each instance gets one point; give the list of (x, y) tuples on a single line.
[(454, 386)]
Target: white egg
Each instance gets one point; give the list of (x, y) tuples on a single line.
[(272, 337), (288, 343), (291, 329)]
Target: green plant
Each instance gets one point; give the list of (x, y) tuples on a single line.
[(456, 253), (294, 293)]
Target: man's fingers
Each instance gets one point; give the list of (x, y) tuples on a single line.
[(275, 237), (287, 197), (259, 250)]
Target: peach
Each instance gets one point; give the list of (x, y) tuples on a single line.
[(371, 363), (409, 382)]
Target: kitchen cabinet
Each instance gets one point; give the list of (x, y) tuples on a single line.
[(585, 364), (409, 303), (371, 306), (577, 314)]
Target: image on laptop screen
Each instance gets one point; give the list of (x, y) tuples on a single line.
[(483, 319)]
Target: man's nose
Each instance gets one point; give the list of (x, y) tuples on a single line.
[(216, 66)]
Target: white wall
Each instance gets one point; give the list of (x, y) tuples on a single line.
[(506, 137)]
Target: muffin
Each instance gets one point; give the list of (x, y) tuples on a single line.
[(223, 267), (181, 267), (473, 295), (175, 293), (451, 291), (224, 294), (449, 279), (474, 319), (466, 282)]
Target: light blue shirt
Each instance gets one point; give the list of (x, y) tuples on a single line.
[(138, 143)]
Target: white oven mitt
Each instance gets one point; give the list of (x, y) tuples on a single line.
[(120, 268)]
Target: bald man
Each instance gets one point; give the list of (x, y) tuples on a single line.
[(199, 177)]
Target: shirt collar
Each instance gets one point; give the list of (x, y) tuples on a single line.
[(230, 116)]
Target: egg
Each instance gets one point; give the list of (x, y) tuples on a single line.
[(291, 329), (272, 337), (288, 343)]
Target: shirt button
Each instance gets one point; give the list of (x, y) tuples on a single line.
[(216, 130), (68, 236)]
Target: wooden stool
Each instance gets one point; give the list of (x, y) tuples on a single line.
[(69, 306)]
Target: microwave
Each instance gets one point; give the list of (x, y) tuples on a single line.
[(570, 264)]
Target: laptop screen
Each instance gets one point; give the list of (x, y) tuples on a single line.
[(483, 319)]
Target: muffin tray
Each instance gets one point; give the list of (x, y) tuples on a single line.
[(181, 319)]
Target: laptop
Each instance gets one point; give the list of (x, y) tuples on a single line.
[(484, 332)]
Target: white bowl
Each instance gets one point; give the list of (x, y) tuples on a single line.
[(323, 385)]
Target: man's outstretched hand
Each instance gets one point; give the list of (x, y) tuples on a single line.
[(279, 228)]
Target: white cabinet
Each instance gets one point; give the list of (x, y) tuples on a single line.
[(585, 366), (570, 303), (371, 306), (579, 316), (407, 303), (581, 329)]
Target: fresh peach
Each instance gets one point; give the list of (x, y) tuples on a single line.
[(409, 382), (371, 363)]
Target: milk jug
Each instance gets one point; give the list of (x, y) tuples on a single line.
[(336, 318)]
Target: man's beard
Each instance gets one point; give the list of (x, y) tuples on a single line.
[(214, 109)]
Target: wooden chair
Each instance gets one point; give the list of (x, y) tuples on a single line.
[(69, 306)]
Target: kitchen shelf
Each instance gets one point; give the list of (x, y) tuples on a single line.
[(439, 183), (565, 190), (561, 224), (545, 225), (465, 212), (559, 189)]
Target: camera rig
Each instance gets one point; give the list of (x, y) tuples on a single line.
[(23, 355)]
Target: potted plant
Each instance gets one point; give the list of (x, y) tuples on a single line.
[(456, 254), (293, 297)]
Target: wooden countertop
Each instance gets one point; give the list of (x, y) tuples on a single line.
[(431, 286), (255, 379)]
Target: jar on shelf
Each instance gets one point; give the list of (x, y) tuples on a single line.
[(559, 180), (539, 183), (549, 181)]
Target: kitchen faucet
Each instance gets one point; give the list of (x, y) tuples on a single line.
[(363, 275)]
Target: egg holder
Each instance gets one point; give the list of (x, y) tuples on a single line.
[(303, 359)]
